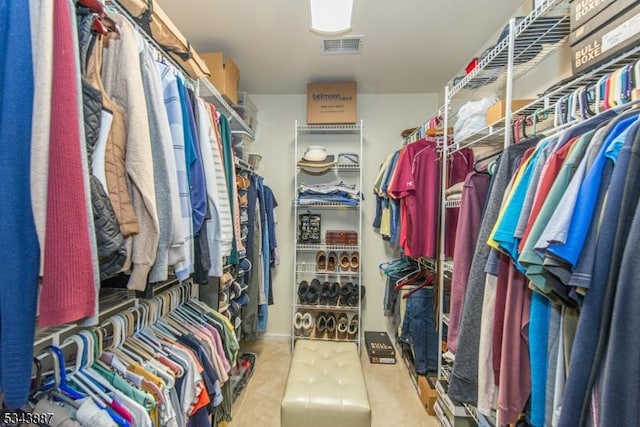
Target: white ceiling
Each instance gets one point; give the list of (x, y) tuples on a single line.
[(410, 46)]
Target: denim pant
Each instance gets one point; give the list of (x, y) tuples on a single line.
[(419, 329)]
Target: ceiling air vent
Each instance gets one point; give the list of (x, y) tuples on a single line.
[(347, 45)]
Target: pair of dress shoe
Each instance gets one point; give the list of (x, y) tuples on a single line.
[(326, 262), (349, 261), (331, 262)]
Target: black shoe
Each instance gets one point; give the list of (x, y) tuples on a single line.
[(324, 293), (321, 325), (313, 294), (303, 291), (345, 293), (334, 294)]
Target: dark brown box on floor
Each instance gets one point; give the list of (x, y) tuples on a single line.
[(612, 9), (379, 348), (611, 39), (341, 237), (428, 394)]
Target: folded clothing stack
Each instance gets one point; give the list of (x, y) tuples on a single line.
[(454, 192), (338, 192)]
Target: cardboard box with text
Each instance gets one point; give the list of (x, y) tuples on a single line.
[(331, 103)]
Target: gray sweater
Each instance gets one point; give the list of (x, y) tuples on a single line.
[(123, 83)]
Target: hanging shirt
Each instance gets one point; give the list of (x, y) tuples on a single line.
[(195, 174), (180, 253), (459, 165), (588, 193), (474, 193), (505, 228), (416, 181), (529, 258)]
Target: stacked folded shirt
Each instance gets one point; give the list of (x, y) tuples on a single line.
[(338, 192), (454, 192)]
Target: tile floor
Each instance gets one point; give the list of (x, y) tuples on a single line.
[(391, 392)]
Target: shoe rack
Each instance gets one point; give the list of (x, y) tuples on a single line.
[(234, 283), (327, 287)]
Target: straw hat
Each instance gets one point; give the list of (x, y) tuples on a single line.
[(316, 161)]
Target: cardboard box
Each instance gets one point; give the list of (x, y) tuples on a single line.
[(428, 394), (612, 10), (496, 112), (225, 75), (619, 34), (164, 31), (379, 348), (331, 103), (583, 10)]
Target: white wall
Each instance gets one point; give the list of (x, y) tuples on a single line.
[(385, 116)]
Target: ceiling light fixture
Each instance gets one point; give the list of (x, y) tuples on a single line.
[(330, 17)]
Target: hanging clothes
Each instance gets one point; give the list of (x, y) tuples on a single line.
[(180, 253), (70, 283), (474, 193), (123, 82), (19, 282), (464, 385)]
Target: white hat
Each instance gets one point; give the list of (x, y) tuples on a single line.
[(315, 153)]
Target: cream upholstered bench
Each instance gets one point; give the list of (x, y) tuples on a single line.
[(325, 387)]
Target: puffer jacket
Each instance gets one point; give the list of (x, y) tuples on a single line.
[(110, 241), (116, 175)]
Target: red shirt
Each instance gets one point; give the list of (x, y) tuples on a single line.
[(549, 174), (416, 182)]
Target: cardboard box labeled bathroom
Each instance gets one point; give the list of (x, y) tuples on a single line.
[(331, 103)]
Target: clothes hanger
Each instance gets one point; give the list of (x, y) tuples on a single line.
[(388, 264), (424, 274), (60, 375), (119, 337), (427, 282), (86, 382), (414, 274), (536, 118), (585, 101)]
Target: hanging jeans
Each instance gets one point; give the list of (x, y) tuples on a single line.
[(419, 329)]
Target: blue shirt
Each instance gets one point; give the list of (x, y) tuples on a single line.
[(195, 171), (505, 231), (588, 194)]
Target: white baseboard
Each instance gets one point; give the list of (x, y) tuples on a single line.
[(270, 336)]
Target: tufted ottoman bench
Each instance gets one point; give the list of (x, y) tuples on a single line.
[(325, 387)]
